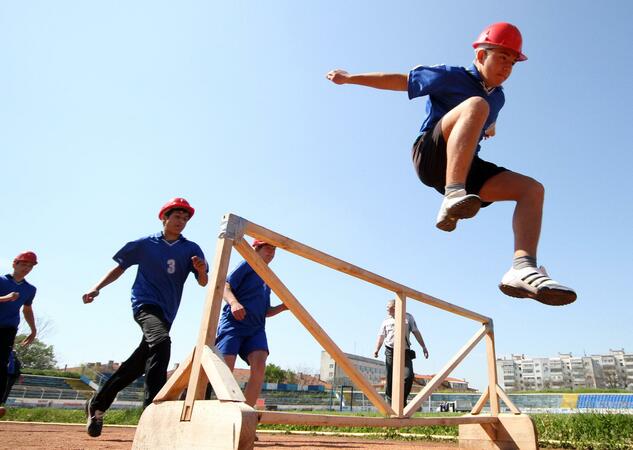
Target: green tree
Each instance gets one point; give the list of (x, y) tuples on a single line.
[(274, 374), (38, 355)]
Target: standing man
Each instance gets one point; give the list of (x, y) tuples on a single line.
[(242, 327), (387, 334), (15, 293), (461, 110), (164, 262)]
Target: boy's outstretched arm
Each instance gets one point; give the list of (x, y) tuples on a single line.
[(378, 80)]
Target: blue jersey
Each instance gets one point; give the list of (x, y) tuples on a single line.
[(163, 268), (253, 294), (449, 86), (10, 311)]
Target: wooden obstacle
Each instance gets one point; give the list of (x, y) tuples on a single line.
[(228, 423)]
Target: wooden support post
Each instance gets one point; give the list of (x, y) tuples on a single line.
[(397, 379), (220, 376), (492, 370), (210, 316), (177, 382), (310, 324), (481, 402), (446, 370), (507, 401)]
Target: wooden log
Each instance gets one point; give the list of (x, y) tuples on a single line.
[(310, 324), (213, 425), (414, 405), (512, 432), (317, 256)]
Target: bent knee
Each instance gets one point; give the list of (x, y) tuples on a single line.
[(535, 188), (477, 105)]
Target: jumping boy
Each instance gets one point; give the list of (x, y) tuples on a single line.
[(462, 108), (241, 330), (164, 261), (15, 293)]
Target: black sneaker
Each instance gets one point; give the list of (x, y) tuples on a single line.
[(94, 422)]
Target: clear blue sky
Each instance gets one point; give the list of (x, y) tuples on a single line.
[(108, 109)]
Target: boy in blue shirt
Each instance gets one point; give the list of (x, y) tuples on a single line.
[(164, 261), (462, 108), (15, 293), (241, 330)]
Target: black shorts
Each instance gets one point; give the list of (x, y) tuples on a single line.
[(429, 160)]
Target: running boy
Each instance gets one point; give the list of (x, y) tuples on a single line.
[(15, 293), (462, 108), (164, 261), (242, 325)]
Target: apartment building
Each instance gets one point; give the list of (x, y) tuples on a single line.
[(612, 370)]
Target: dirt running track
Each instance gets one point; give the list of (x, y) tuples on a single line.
[(19, 435)]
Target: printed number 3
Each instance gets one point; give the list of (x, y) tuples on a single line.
[(171, 265)]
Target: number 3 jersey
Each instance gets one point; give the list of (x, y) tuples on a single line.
[(163, 268)]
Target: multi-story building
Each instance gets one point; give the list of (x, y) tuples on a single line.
[(373, 369), (614, 370)]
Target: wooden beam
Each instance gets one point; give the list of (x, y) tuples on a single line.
[(210, 314), (310, 324), (481, 402), (397, 380), (220, 376), (448, 368), (492, 370), (317, 256), (507, 400), (177, 382), (283, 418)]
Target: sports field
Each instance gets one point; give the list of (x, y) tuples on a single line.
[(23, 435)]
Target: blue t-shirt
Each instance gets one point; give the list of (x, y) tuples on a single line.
[(163, 268), (10, 311), (254, 295), (447, 87)]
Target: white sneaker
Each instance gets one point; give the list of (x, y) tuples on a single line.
[(531, 282), (459, 205)]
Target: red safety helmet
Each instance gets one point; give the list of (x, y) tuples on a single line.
[(258, 243), (27, 256), (176, 203), (502, 34)]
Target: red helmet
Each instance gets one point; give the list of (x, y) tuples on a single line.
[(504, 35), (176, 203), (28, 256), (258, 243)]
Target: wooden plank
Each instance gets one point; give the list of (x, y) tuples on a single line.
[(317, 256), (397, 380), (220, 377), (507, 400), (177, 382), (481, 402), (310, 324), (446, 370), (210, 316), (492, 370), (284, 418)]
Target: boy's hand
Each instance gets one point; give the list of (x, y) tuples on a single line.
[(337, 76), (238, 311), (199, 264), (89, 297)]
